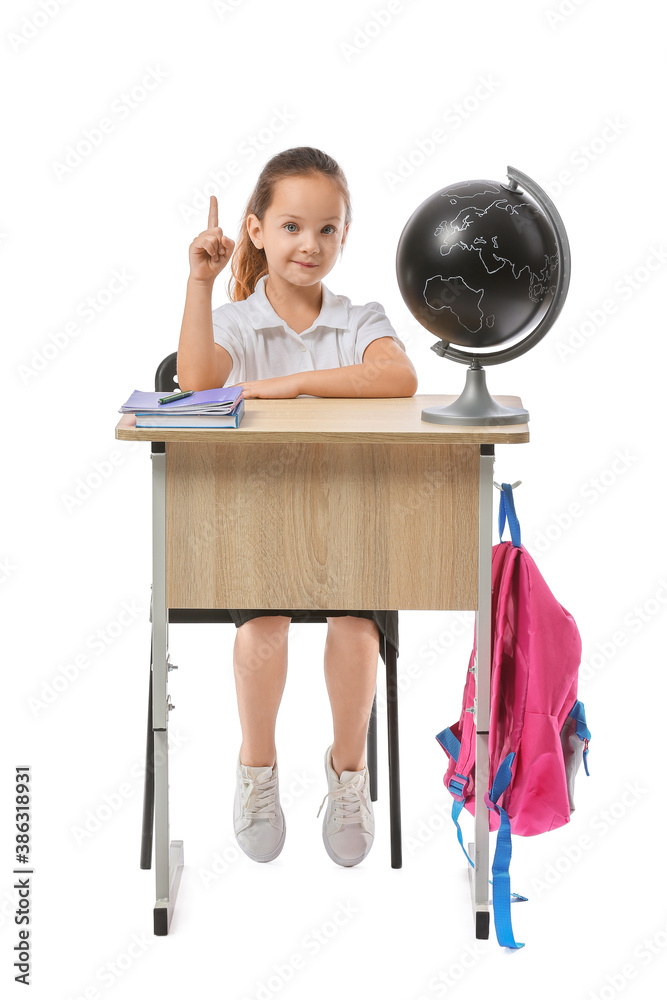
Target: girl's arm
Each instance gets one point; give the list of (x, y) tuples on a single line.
[(196, 346), (386, 370), (201, 363)]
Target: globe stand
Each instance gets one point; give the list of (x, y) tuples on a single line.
[(475, 406)]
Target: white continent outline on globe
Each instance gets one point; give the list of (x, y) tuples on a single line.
[(445, 305), (538, 283)]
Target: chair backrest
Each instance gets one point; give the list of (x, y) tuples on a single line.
[(166, 379)]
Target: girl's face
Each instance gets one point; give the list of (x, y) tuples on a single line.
[(303, 229)]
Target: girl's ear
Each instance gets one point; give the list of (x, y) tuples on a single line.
[(254, 230)]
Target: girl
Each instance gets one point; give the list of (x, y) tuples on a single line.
[(284, 334)]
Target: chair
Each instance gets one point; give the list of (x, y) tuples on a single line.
[(166, 381)]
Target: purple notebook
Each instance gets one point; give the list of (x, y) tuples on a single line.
[(205, 401)]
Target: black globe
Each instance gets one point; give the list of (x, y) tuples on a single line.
[(477, 265)]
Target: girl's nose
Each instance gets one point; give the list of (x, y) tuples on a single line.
[(309, 243)]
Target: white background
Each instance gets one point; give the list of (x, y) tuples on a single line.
[(580, 92)]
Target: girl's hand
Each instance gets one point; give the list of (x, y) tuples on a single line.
[(283, 387), (210, 251)]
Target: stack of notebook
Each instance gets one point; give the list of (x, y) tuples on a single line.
[(208, 408)]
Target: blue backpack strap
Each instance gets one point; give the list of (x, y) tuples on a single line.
[(457, 786), (583, 732), (457, 806), (502, 916), (449, 743), (506, 510)]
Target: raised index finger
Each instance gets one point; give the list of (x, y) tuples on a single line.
[(213, 213)]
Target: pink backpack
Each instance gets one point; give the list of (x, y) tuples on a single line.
[(538, 736)]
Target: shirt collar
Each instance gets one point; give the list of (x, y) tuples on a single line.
[(333, 313)]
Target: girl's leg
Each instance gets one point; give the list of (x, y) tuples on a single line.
[(350, 669), (260, 670)]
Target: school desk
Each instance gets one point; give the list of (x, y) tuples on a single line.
[(322, 503)]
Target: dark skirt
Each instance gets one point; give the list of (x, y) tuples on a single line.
[(386, 621)]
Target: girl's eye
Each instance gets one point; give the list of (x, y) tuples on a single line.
[(332, 228)]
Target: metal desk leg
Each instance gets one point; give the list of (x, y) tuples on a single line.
[(149, 783), (479, 850), (168, 856)]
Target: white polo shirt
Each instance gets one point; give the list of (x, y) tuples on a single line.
[(262, 345)]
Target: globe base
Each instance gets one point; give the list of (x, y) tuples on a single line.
[(475, 406)]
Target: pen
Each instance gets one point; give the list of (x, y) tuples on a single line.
[(176, 395)]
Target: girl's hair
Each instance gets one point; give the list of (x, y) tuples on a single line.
[(248, 264)]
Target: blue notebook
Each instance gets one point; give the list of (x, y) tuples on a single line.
[(182, 419)]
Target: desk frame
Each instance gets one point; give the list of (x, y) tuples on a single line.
[(169, 855), (479, 849)]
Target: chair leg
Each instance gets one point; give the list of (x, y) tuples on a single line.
[(394, 770), (149, 781), (372, 749)]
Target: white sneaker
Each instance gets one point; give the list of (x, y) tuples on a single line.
[(259, 821), (348, 828)]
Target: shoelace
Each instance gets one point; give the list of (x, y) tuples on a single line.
[(348, 802), (258, 800)]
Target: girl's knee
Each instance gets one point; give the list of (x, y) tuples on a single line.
[(352, 626), (266, 624)]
